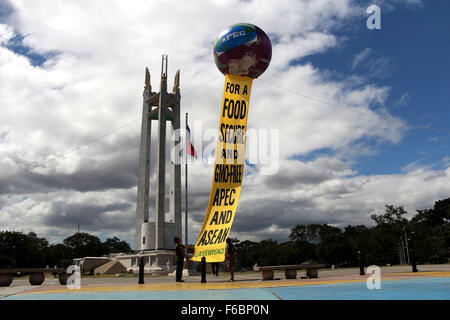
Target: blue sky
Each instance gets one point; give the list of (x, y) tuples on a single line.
[(413, 53), (73, 71), (413, 43)]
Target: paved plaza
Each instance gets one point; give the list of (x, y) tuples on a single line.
[(398, 282)]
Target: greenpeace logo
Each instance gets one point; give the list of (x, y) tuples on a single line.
[(235, 34), (210, 252)]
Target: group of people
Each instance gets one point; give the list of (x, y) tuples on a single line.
[(180, 255)]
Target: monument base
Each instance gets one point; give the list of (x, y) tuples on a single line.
[(156, 262), (189, 269)]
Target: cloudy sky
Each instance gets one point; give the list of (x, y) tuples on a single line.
[(362, 115)]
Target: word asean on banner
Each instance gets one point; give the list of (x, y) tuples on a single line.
[(228, 170), (242, 53)]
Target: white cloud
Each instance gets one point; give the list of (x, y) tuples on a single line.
[(446, 161), (389, 5), (338, 200), (417, 3), (360, 57), (371, 64), (92, 84), (403, 100), (6, 33)]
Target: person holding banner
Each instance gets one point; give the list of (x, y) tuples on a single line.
[(180, 255), (229, 256)]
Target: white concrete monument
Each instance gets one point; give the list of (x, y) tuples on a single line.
[(156, 237)]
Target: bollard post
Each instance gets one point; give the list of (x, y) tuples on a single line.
[(414, 266), (141, 270), (361, 270), (203, 270)]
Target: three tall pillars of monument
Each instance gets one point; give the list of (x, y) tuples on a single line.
[(162, 107)]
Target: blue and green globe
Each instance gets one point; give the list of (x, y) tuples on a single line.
[(243, 49)]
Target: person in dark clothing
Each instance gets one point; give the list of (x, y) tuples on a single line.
[(215, 268), (180, 255), (230, 257)]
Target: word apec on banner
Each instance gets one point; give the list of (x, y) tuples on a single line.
[(228, 170)]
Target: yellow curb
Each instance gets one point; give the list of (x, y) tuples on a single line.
[(194, 286), (423, 274), (232, 285)]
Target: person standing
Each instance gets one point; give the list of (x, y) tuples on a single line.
[(180, 255), (215, 268), (230, 257)]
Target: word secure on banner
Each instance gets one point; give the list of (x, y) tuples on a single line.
[(228, 170)]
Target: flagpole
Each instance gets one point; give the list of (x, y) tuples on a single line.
[(186, 187)]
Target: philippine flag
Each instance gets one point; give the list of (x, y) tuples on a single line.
[(190, 147)]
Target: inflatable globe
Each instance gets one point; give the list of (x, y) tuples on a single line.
[(243, 49)]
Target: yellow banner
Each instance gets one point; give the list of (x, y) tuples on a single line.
[(228, 170)]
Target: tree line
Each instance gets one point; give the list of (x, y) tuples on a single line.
[(427, 234), (19, 250)]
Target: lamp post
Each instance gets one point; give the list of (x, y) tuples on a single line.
[(402, 247), (407, 247)]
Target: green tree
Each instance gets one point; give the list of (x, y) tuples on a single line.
[(268, 253), (246, 254), (357, 240), (384, 238), (322, 242), (296, 252), (36, 248), (308, 233), (115, 245), (442, 210), (59, 255), (391, 216), (85, 245), (21, 250), (332, 248), (429, 231)]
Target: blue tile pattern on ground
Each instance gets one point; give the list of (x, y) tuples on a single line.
[(407, 289)]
